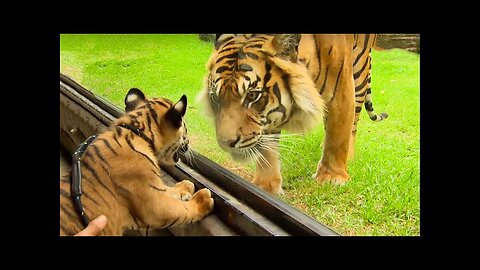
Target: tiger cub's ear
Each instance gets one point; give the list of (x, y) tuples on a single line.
[(176, 112), (133, 98), (287, 45)]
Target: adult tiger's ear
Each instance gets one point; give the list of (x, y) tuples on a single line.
[(133, 98), (176, 112), (287, 45), (220, 39)]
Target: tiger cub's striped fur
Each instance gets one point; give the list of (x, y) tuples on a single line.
[(120, 172), (259, 84)]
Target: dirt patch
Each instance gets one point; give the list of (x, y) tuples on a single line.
[(409, 42), (73, 72), (239, 170)]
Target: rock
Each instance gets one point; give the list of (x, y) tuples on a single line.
[(409, 42)]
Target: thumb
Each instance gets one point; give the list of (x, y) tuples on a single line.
[(95, 227)]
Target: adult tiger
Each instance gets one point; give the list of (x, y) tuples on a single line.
[(259, 84), (120, 172)]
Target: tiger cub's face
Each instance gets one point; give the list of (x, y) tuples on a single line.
[(247, 93), (161, 121)]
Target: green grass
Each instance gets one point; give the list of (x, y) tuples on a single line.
[(383, 196)]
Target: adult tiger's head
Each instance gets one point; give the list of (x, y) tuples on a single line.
[(256, 85), (160, 123)]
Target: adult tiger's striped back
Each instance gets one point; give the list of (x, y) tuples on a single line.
[(258, 85), (120, 172)]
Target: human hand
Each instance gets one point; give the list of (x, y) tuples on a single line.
[(95, 227)]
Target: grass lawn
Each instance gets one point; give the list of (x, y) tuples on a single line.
[(383, 195)]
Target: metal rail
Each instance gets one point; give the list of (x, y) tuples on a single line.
[(242, 206)]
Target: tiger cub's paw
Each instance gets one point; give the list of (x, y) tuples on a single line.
[(185, 188), (203, 201)]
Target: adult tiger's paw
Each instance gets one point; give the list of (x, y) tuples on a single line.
[(185, 188), (272, 185), (326, 175), (203, 202)]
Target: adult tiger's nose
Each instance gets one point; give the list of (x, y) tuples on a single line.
[(233, 143), (228, 143)]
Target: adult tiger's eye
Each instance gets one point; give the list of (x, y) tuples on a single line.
[(252, 95)]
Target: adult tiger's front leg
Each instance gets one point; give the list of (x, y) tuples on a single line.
[(333, 165), (340, 115), (267, 174)]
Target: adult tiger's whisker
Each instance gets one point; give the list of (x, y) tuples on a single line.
[(262, 157), (276, 147)]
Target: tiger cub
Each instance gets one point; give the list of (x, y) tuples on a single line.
[(120, 175)]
